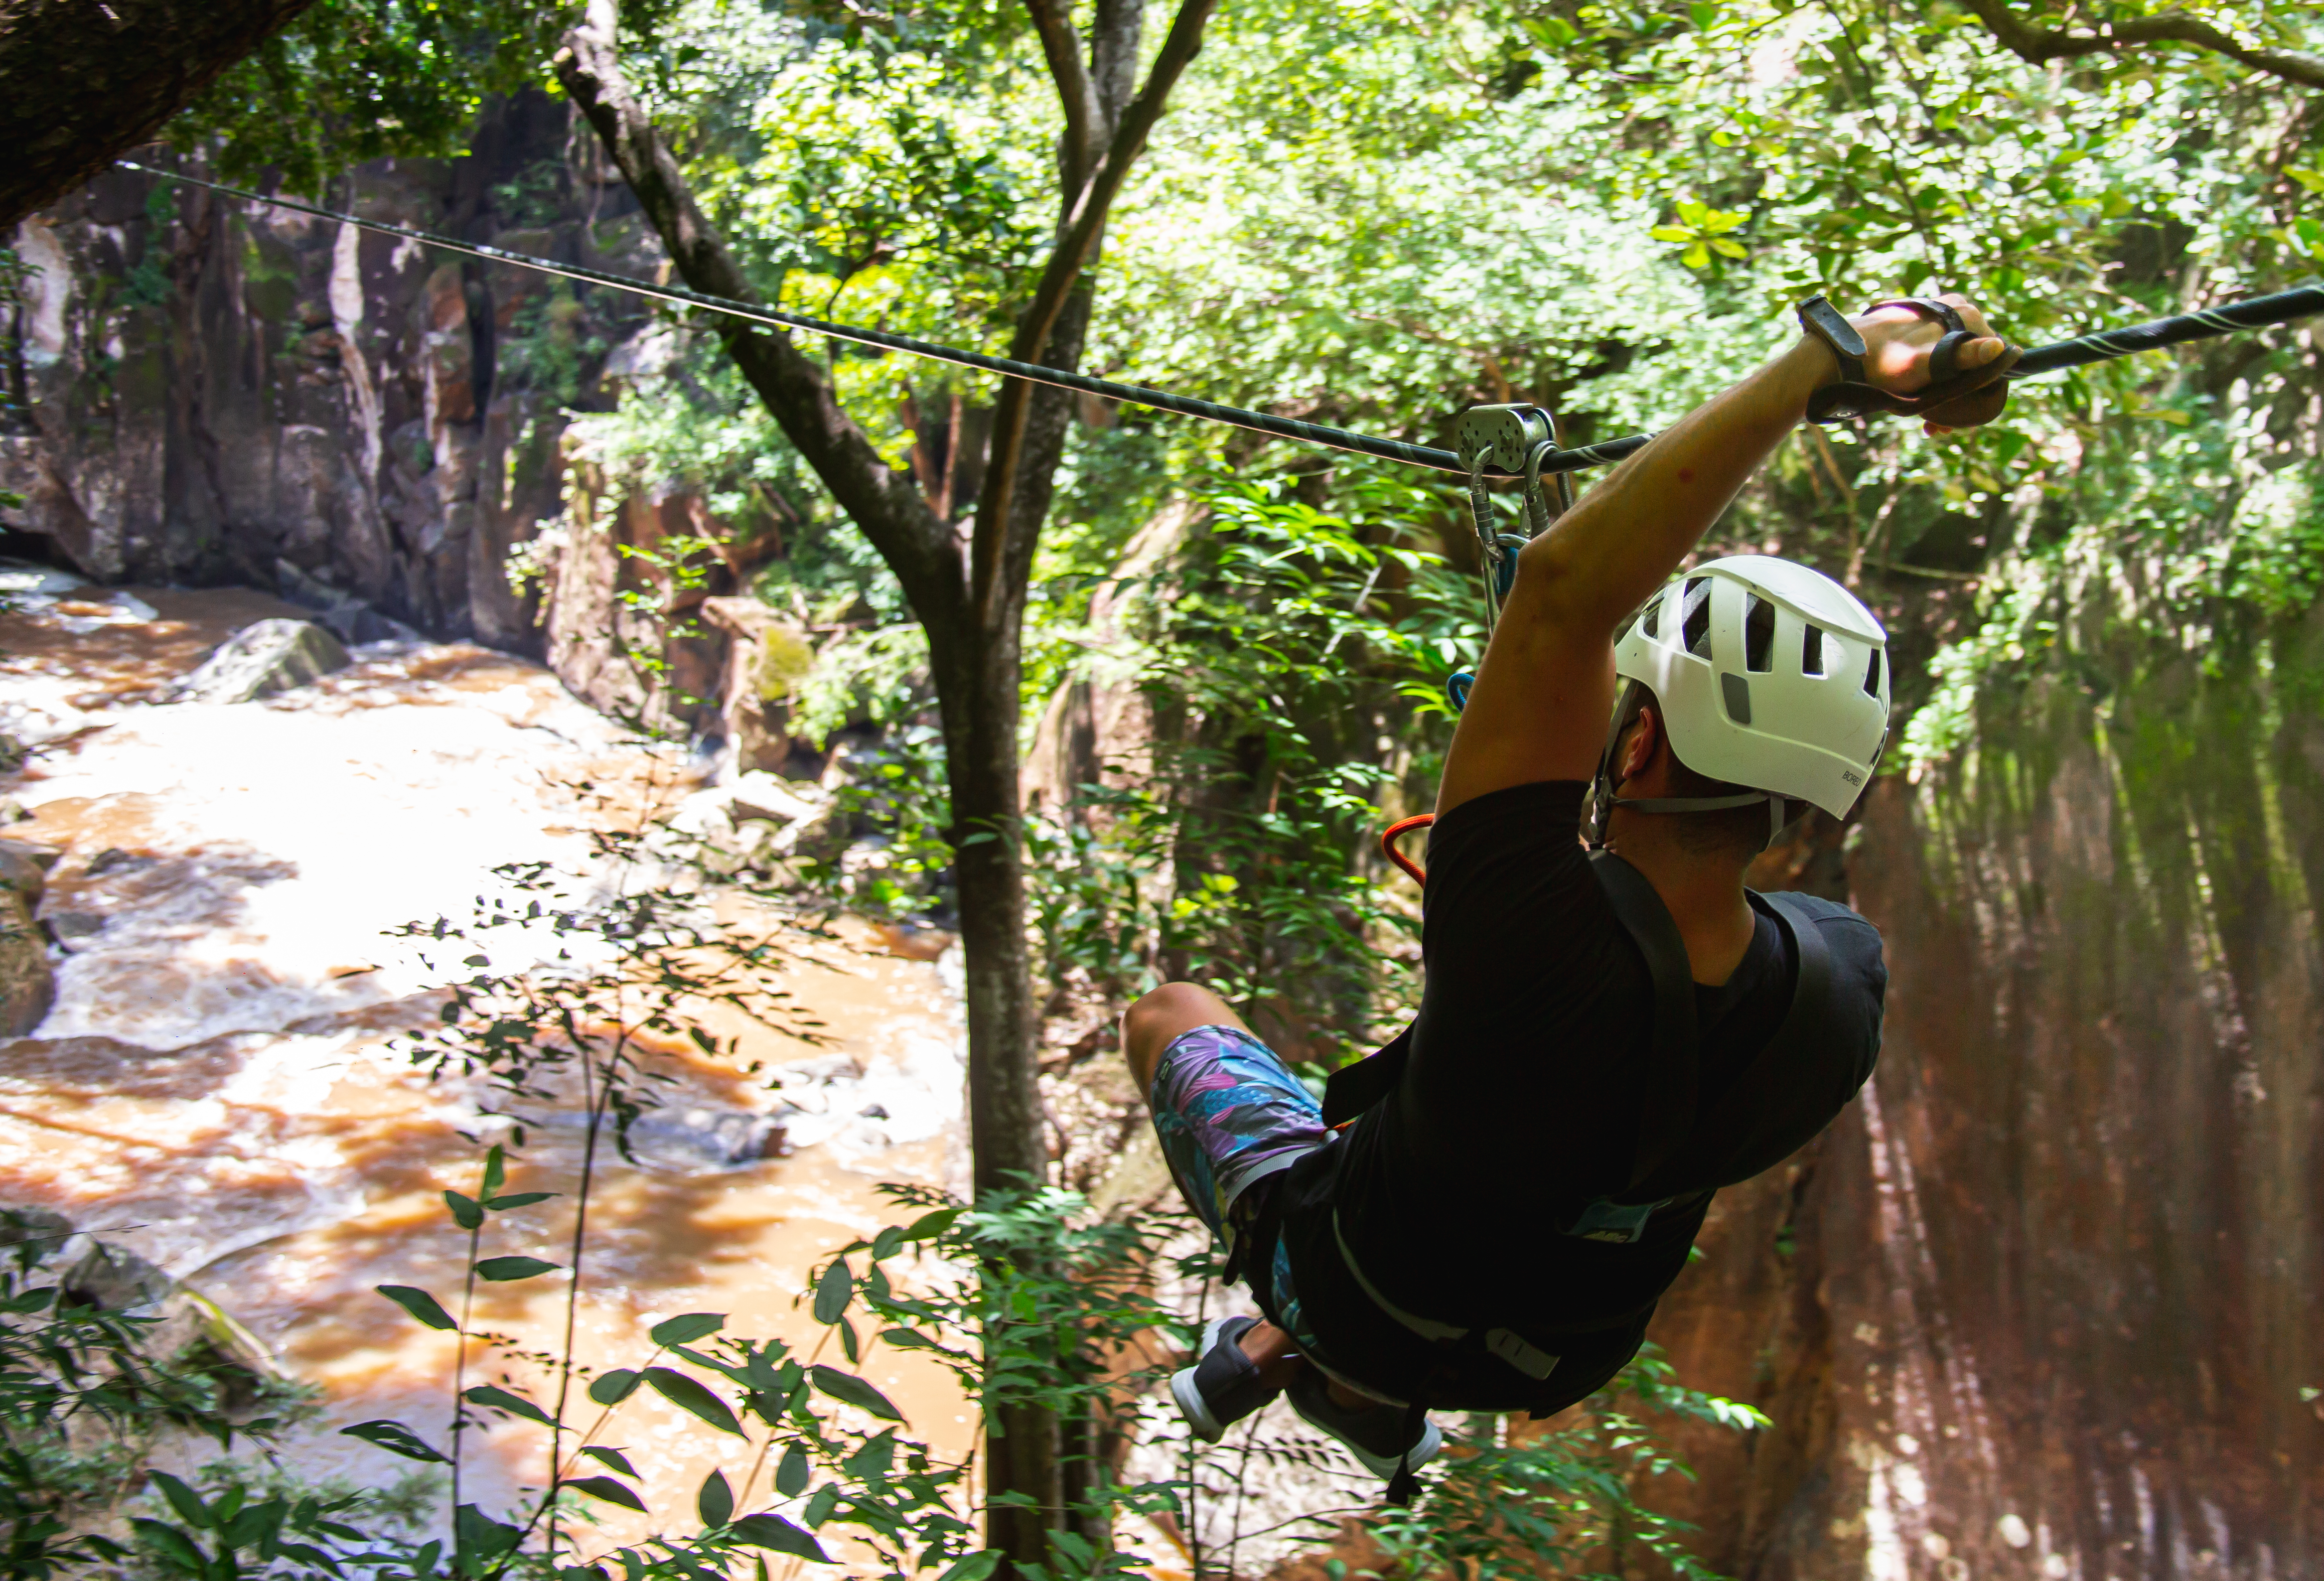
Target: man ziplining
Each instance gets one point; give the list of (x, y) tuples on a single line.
[(1608, 1033)]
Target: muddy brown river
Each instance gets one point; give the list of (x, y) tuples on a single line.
[(219, 1086)]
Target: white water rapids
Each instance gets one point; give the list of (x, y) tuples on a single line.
[(216, 1086)]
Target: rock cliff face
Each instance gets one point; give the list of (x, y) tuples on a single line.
[(206, 390), (2044, 1304)]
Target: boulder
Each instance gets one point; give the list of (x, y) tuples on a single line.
[(27, 985), (24, 868), (767, 660), (261, 659)]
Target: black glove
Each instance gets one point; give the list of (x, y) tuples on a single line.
[(1953, 398)]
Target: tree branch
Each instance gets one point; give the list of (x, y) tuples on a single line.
[(82, 84), (2041, 45), (1084, 221), (1086, 116), (883, 501)]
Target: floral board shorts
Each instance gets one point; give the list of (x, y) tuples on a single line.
[(1229, 1113)]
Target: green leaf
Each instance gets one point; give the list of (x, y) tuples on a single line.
[(518, 1199), (480, 1538), (1704, 15), (929, 1225), (615, 1387), (607, 1489), (974, 1566), (716, 1502), (499, 1398), (502, 1269), (395, 1439), (255, 1525), (689, 1395), (171, 1543), (885, 1243), (770, 1530), (495, 1171), (464, 1211), (685, 1328), (2312, 180), (833, 1291), (791, 1473), (908, 1339), (848, 1389), (613, 1458), (847, 1343), (186, 1502), (420, 1305)]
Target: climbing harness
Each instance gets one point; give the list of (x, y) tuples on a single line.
[(1672, 1074)]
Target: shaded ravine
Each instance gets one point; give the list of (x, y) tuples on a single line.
[(2043, 1303), (218, 1070)]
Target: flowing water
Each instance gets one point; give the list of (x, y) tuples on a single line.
[(218, 1089)]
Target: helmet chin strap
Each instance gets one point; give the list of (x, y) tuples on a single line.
[(1602, 787)]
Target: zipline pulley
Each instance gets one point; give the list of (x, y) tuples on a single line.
[(1505, 441)]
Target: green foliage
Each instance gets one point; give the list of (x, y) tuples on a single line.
[(1291, 642), (83, 1399), (352, 80), (1552, 1498)]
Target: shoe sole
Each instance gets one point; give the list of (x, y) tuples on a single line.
[(1381, 1465), (1189, 1399)]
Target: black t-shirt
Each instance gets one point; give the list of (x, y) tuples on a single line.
[(1521, 1098)]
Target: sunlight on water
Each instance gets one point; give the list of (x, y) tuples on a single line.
[(217, 1068)]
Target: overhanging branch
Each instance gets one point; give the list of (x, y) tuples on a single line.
[(1076, 90), (2041, 45), (884, 502), (1084, 221)]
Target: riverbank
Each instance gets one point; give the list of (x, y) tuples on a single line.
[(218, 1085)]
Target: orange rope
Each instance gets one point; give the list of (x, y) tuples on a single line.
[(1396, 831)]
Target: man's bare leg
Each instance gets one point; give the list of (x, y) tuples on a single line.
[(1151, 1024)]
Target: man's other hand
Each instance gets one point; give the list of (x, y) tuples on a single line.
[(1897, 341)]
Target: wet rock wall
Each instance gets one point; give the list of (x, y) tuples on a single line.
[(205, 389), (2043, 1303)]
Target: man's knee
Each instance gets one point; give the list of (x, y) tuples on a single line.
[(1155, 1019)]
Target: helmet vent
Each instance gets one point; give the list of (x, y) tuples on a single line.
[(1812, 650), (1650, 623), (1872, 676), (1758, 634), (1696, 629)]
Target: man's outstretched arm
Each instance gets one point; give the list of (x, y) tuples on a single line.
[(1542, 695)]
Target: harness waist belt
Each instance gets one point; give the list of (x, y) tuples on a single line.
[(1508, 1345)]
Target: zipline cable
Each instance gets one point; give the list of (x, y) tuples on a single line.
[(2253, 313)]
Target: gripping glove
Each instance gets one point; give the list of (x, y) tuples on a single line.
[(1954, 398)]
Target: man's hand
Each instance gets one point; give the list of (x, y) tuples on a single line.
[(1897, 341), (1544, 693)]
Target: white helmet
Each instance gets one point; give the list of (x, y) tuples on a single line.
[(1769, 674)]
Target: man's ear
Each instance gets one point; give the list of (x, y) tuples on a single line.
[(1638, 751)]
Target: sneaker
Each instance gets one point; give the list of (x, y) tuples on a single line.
[(1223, 1386), (1373, 1431)]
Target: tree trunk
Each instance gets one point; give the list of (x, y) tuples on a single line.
[(82, 83), (976, 673), (972, 606)]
